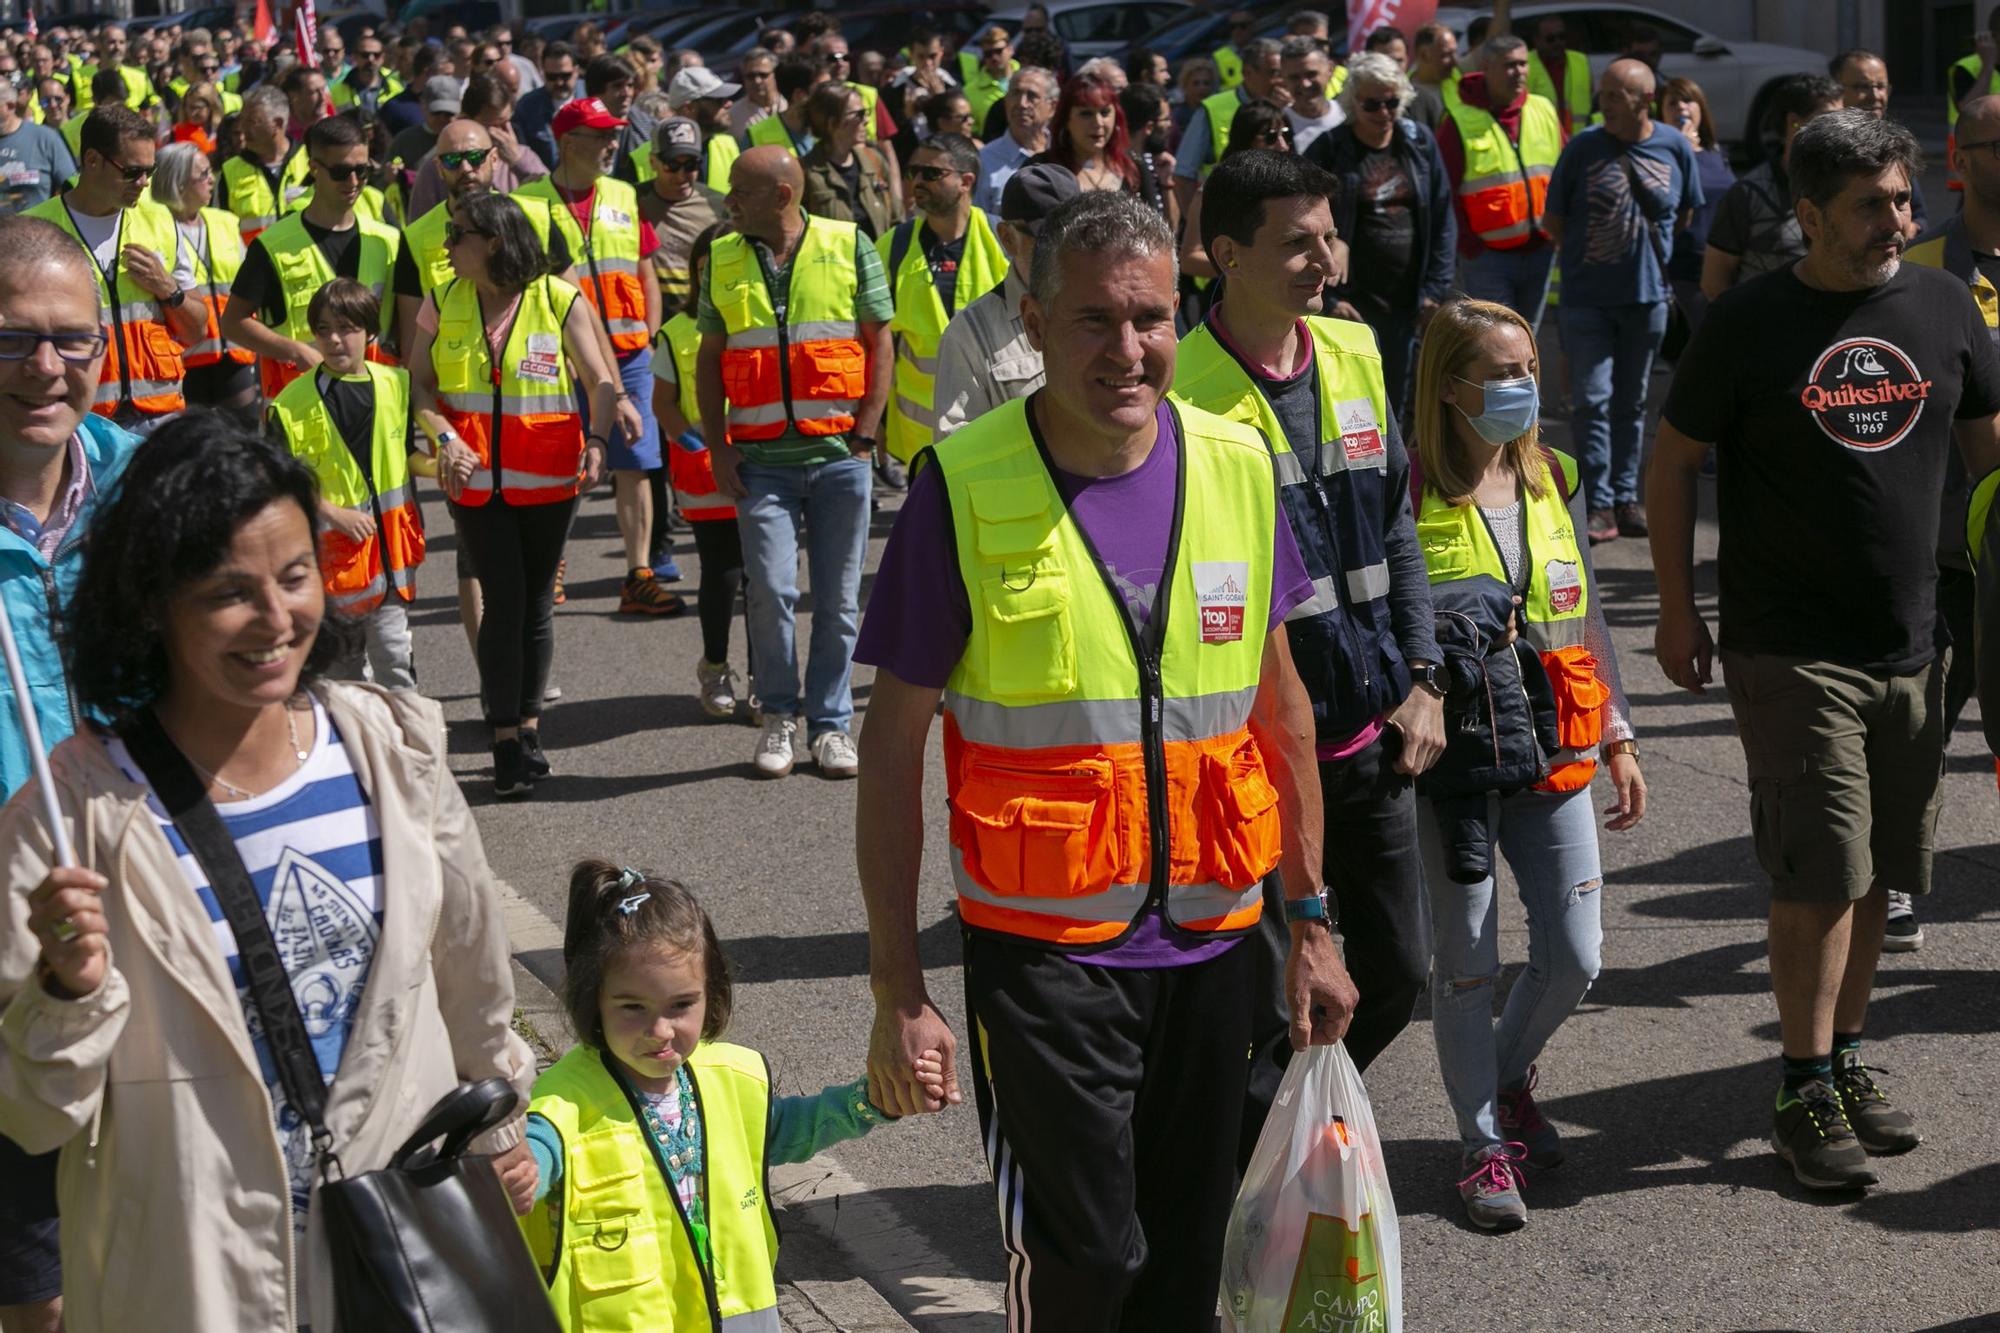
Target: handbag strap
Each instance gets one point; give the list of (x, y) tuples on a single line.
[(186, 799)]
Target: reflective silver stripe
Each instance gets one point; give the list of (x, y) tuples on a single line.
[(1119, 903), (753, 338), (203, 348), (616, 264), (156, 388), (517, 480), (823, 409), (1561, 757), (260, 222), (769, 414), (1203, 902), (466, 400), (375, 588), (752, 1321), (1287, 468), (393, 499), (1097, 721), (1507, 232), (1474, 184), (140, 312), (480, 480), (805, 331), (106, 392), (1326, 597), (541, 404), (618, 326), (713, 500), (402, 578), (923, 365), (1365, 585), (915, 411)]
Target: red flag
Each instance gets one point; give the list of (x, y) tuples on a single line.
[(265, 29), (1365, 16), (307, 24), (34, 30)]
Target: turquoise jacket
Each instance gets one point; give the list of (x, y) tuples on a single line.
[(34, 590)]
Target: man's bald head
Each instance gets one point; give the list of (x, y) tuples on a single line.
[(461, 177), (1978, 130), (1631, 75), (1625, 99), (1978, 121), (769, 164), (765, 186), (463, 136)]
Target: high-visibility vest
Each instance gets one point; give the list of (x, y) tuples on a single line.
[(920, 319), (1970, 64), (1554, 610), (425, 239), (1092, 766), (144, 365), (1448, 91), (1506, 185), (718, 155), (360, 575), (1336, 81), (772, 131), (691, 472), (216, 262), (617, 1247), (302, 270), (606, 256), (808, 370), (521, 420), (981, 91), (231, 102), (1228, 66), (870, 95), (1221, 109), (251, 197), (1574, 112), (344, 95), (1342, 638), (138, 88), (72, 133)]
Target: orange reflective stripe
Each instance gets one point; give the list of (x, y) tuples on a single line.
[(692, 474)]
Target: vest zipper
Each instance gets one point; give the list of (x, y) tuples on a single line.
[(673, 1194), (368, 480), (493, 431)]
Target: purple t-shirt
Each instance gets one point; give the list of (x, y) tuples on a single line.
[(1128, 519)]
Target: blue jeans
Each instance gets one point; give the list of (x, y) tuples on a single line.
[(1550, 842), (1518, 279), (830, 500), (1610, 350)]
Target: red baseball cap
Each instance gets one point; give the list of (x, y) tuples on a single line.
[(585, 113)]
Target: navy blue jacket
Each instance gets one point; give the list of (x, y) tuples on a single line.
[(1339, 153)]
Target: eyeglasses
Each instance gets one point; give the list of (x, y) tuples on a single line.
[(75, 348), (453, 233), (1991, 145), (836, 57), (345, 172), (1375, 106), (1282, 134), (471, 157), (677, 163), (365, 54), (929, 173), (134, 172)]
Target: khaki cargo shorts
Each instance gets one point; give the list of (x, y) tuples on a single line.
[(1845, 770)]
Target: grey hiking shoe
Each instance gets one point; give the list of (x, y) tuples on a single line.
[(1492, 1190), (1812, 1134), (1880, 1127)]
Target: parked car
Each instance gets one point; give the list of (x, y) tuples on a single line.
[(1737, 77), (1199, 32), (886, 26), (1092, 28)]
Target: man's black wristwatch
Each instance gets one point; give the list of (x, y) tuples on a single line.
[(174, 302), (861, 444), (1428, 676)]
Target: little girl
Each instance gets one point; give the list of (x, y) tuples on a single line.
[(652, 1137)]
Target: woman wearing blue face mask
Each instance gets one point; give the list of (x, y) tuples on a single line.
[(1493, 504)]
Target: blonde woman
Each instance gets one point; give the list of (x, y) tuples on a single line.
[(1493, 501)]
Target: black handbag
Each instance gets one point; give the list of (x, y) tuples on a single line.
[(427, 1244)]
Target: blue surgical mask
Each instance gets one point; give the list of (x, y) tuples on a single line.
[(1511, 406)]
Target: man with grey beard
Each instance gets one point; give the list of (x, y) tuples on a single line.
[(1833, 391)]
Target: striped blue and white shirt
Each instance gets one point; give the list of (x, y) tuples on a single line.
[(313, 848)]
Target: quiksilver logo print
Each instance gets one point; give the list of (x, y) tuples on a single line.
[(1865, 393)]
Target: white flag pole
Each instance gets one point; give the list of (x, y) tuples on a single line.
[(31, 732)]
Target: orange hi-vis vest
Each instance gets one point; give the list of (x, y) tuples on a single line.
[(690, 471), (359, 575), (1554, 609), (1096, 766), (1506, 185), (806, 369), (605, 254), (519, 418), (217, 261), (144, 366)]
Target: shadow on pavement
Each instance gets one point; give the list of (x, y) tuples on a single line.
[(763, 958), (1969, 1201)]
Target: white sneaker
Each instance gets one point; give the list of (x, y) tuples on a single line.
[(774, 747), (717, 688), (834, 752)]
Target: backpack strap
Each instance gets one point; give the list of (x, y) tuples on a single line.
[(899, 249)]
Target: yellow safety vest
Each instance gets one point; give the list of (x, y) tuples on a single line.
[(616, 1246), (920, 319), (231, 102), (719, 154), (250, 195), (344, 96), (772, 131), (425, 237), (1088, 777), (1228, 66), (521, 423), (690, 472), (981, 90), (808, 371), (138, 88), (1221, 109), (1506, 186), (1574, 111), (217, 261), (360, 575), (606, 256), (144, 365), (1554, 610), (302, 270), (72, 133)]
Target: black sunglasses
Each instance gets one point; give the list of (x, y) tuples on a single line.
[(346, 173), (471, 157), (930, 173), (134, 172), (453, 233), (1376, 105)]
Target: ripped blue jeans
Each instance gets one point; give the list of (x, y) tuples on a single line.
[(1549, 841)]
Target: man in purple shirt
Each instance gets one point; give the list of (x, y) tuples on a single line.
[(1123, 1063)]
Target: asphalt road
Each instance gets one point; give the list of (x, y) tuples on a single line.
[(1671, 1213)]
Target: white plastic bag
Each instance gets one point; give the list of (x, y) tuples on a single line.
[(1312, 1244)]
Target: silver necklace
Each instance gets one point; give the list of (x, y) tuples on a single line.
[(298, 753)]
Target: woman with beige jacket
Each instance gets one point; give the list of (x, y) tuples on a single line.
[(186, 1183)]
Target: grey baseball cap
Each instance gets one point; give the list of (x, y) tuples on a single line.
[(1034, 192), (677, 136), (442, 94)]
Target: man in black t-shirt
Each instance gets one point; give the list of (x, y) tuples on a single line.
[(1833, 392)]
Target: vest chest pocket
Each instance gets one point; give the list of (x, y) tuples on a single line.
[(1030, 642), (607, 1279), (732, 301), (451, 360), (1448, 554), (1238, 813), (1045, 833), (832, 369)]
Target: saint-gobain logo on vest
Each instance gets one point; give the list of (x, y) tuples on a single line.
[(1222, 590), (1865, 393)]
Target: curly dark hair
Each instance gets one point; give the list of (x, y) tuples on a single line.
[(519, 257), (612, 910), (168, 522)]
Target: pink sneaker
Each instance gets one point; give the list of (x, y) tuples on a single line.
[(1492, 1193), (1522, 1121)]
